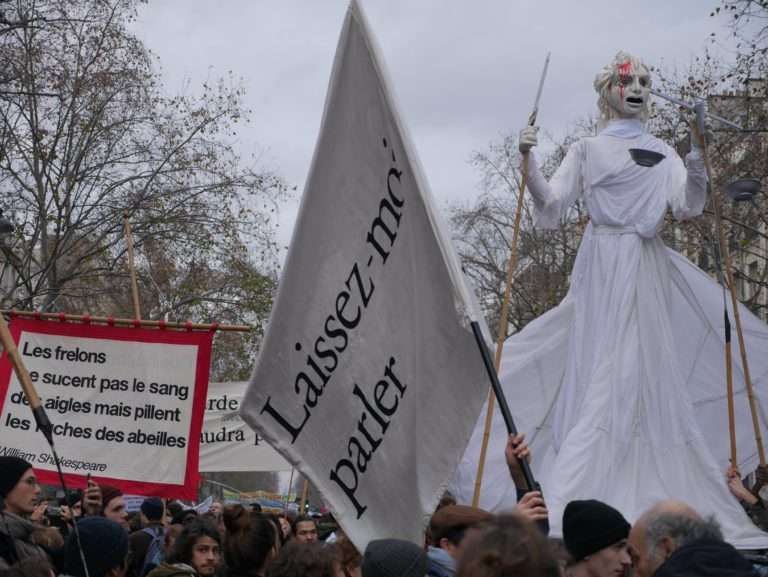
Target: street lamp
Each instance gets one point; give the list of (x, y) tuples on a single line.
[(742, 189)]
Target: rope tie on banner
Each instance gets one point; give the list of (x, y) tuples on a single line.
[(162, 325), (189, 326), (111, 321), (86, 319), (214, 327), (136, 323), (62, 318)]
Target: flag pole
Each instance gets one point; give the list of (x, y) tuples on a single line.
[(504, 317), (699, 130), (506, 414)]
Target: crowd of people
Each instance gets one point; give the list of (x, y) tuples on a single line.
[(90, 534)]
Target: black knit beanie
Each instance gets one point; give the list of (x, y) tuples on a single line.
[(589, 526), (11, 470), (105, 546)]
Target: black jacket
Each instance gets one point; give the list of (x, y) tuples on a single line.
[(706, 559)]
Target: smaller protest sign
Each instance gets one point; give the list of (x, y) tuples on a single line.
[(124, 403), (227, 443)]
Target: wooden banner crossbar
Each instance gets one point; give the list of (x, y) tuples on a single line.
[(137, 323)]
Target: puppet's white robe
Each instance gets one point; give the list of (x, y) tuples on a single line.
[(621, 388)]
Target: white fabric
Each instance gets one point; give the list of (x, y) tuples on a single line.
[(621, 388), (388, 328), (227, 443)]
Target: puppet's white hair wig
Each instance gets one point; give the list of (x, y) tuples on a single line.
[(608, 76)]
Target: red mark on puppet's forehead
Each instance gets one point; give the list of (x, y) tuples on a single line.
[(625, 68)]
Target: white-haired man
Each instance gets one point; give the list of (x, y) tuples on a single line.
[(673, 540)]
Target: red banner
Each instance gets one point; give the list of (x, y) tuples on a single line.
[(126, 404)]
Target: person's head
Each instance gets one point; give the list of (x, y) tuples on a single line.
[(385, 557), (236, 518), (285, 525), (18, 486), (305, 529), (248, 550), (184, 516), (199, 546), (113, 506), (216, 508), (509, 545), (172, 510), (623, 87), (73, 500), (451, 524), (595, 535), (348, 558), (152, 510), (304, 560), (663, 529), (105, 545)]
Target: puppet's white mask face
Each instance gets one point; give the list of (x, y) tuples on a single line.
[(629, 91)]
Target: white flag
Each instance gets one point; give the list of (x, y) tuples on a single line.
[(370, 380)]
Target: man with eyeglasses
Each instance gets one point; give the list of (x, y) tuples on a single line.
[(20, 493)]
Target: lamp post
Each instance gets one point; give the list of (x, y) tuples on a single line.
[(6, 229)]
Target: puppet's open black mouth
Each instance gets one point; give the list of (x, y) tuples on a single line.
[(633, 100)]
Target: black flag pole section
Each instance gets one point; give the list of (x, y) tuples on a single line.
[(501, 399), (41, 418)]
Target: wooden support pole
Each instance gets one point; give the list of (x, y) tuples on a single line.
[(132, 268), (304, 496), (729, 388), (181, 326), (727, 265)]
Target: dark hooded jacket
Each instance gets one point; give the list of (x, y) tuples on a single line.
[(706, 558)]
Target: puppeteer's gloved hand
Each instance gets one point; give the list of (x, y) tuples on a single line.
[(528, 138)]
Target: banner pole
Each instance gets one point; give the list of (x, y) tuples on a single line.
[(132, 267), (504, 316), (187, 326)]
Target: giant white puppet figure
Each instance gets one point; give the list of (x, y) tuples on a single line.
[(621, 388)]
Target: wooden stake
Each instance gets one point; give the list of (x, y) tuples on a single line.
[(132, 267), (729, 388), (290, 484), (734, 301), (502, 331)]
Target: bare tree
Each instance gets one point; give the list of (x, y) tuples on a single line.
[(109, 144)]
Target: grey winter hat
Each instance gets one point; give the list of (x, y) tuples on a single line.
[(394, 558)]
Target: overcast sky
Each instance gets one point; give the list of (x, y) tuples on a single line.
[(464, 72)]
